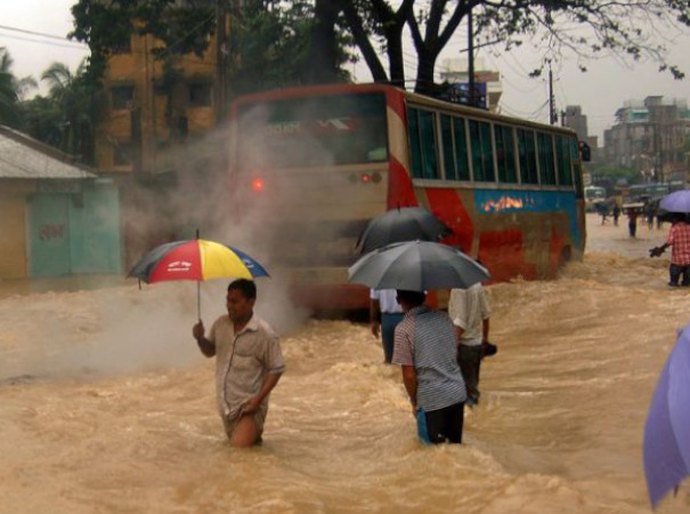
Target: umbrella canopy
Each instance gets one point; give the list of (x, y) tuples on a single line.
[(402, 224), (667, 430), (678, 201), (195, 259), (417, 266)]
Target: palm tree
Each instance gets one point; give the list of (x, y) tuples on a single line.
[(9, 99), (73, 98)]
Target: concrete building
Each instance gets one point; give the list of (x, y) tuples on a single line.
[(153, 106), (651, 136)]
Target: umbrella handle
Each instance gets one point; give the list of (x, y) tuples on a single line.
[(198, 300)]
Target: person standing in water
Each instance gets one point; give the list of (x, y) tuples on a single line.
[(470, 312), (249, 364), (384, 315), (426, 349)]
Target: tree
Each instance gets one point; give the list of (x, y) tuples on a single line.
[(12, 90), (72, 96), (587, 28)]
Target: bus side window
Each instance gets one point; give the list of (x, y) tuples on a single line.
[(505, 154), (546, 165), (577, 168), (528, 157), (482, 155), (565, 173), (454, 148), (422, 137)]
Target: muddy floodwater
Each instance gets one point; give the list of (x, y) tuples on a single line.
[(106, 405)]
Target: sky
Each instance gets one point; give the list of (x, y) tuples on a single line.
[(600, 91)]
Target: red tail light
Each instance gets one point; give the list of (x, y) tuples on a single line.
[(258, 185)]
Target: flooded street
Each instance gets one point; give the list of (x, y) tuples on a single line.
[(106, 404)]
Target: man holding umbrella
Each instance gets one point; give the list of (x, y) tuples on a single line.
[(425, 347), (249, 363)]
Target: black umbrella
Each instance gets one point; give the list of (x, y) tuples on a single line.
[(417, 266), (401, 224)]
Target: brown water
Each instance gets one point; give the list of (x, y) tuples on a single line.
[(107, 406)]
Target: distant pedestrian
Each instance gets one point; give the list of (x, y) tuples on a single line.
[(426, 348), (679, 241), (384, 314), (616, 214), (632, 221)]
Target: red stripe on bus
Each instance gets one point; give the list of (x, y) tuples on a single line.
[(446, 205), (503, 253), (400, 190), (555, 249)]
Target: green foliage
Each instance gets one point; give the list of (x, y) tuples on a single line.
[(9, 98), (555, 28), (65, 117), (271, 46)]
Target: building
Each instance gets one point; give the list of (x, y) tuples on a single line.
[(152, 106), (488, 82), (650, 136), (57, 217), (153, 138), (573, 118)]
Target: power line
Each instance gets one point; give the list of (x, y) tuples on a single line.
[(42, 34), (66, 44)]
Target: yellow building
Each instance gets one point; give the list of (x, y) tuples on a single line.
[(150, 107)]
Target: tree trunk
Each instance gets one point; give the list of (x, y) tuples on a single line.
[(425, 72), (321, 65)]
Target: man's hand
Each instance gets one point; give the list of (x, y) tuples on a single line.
[(656, 251), (376, 329), (251, 405), (198, 330)]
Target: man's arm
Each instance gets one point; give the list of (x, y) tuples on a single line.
[(375, 316), (409, 376), (253, 403), (208, 348), (485, 329)]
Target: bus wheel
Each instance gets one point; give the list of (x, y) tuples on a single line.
[(565, 257)]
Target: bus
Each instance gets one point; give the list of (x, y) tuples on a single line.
[(310, 166), (593, 196)]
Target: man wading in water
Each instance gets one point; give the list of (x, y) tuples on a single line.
[(248, 364)]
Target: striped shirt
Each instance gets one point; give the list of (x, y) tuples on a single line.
[(679, 239), (426, 340)]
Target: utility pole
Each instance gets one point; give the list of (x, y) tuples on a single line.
[(553, 117), (470, 61)]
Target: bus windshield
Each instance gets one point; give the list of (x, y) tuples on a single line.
[(312, 131)]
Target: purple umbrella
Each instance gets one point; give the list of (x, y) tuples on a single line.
[(678, 201), (667, 431)]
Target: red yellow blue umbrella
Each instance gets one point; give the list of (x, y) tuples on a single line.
[(196, 259)]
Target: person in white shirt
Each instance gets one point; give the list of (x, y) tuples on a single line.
[(470, 312), (384, 314)]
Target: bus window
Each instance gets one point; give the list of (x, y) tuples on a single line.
[(565, 173), (313, 131), (423, 144), (505, 154), (545, 148), (528, 157), (448, 147), (461, 161), (482, 155), (454, 148), (577, 166)]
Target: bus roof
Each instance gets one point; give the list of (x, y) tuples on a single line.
[(331, 89)]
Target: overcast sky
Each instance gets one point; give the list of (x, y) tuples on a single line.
[(600, 91)]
